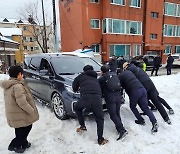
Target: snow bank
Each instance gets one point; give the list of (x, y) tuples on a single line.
[(52, 136)]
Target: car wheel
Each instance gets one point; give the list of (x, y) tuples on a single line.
[(58, 107)]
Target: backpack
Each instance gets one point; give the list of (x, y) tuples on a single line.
[(112, 81)]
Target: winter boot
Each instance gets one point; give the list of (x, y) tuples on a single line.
[(168, 120), (17, 150), (171, 111), (102, 141), (81, 129), (154, 128), (122, 135), (142, 122)]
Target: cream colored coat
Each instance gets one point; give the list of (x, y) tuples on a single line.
[(20, 107)]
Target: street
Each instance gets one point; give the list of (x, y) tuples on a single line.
[(162, 71)]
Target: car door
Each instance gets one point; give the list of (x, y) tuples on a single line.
[(31, 74), (46, 81)]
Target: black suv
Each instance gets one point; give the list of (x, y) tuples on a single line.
[(50, 78)]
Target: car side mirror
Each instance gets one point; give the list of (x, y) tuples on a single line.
[(43, 72)]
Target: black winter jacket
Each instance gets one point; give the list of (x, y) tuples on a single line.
[(113, 65), (157, 61), (105, 92), (140, 74), (129, 82), (143, 77), (170, 61), (87, 83)]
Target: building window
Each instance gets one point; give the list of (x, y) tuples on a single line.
[(172, 9), (153, 36), (137, 50), (133, 27), (168, 49), (95, 23), (96, 48), (177, 30), (25, 28), (24, 38), (135, 3), (32, 48), (94, 1), (172, 30), (177, 49), (119, 50), (117, 26), (117, 2), (25, 47), (36, 48), (154, 14), (31, 39)]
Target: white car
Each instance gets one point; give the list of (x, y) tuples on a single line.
[(0, 63), (176, 59)]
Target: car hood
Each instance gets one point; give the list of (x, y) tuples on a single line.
[(70, 77)]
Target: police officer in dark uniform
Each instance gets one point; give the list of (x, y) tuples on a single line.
[(113, 100), (90, 96), (137, 96)]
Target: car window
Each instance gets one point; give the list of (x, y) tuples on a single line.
[(72, 64), (175, 57), (46, 66), (26, 62), (150, 59), (35, 63)]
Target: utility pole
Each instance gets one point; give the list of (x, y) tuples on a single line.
[(55, 26), (44, 28)]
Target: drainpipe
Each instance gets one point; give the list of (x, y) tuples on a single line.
[(144, 25), (162, 38)]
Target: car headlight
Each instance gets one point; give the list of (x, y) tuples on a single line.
[(69, 88)]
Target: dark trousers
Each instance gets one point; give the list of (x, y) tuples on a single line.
[(95, 102), (153, 96), (113, 103), (155, 68), (21, 137), (139, 96), (162, 101), (169, 71)]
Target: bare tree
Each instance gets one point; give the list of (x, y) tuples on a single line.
[(32, 13)]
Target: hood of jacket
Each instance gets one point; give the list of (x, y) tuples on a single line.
[(91, 73), (6, 84)]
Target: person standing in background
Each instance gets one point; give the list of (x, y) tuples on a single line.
[(113, 64), (157, 63), (170, 61)]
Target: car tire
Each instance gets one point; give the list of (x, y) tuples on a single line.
[(59, 107)]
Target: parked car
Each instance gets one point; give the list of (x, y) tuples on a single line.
[(148, 59), (176, 62), (50, 78)]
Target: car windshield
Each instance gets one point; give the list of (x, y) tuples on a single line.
[(73, 65)]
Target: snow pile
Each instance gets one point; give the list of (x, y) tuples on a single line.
[(50, 135)]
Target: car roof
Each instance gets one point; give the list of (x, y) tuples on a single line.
[(50, 55), (176, 54)]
